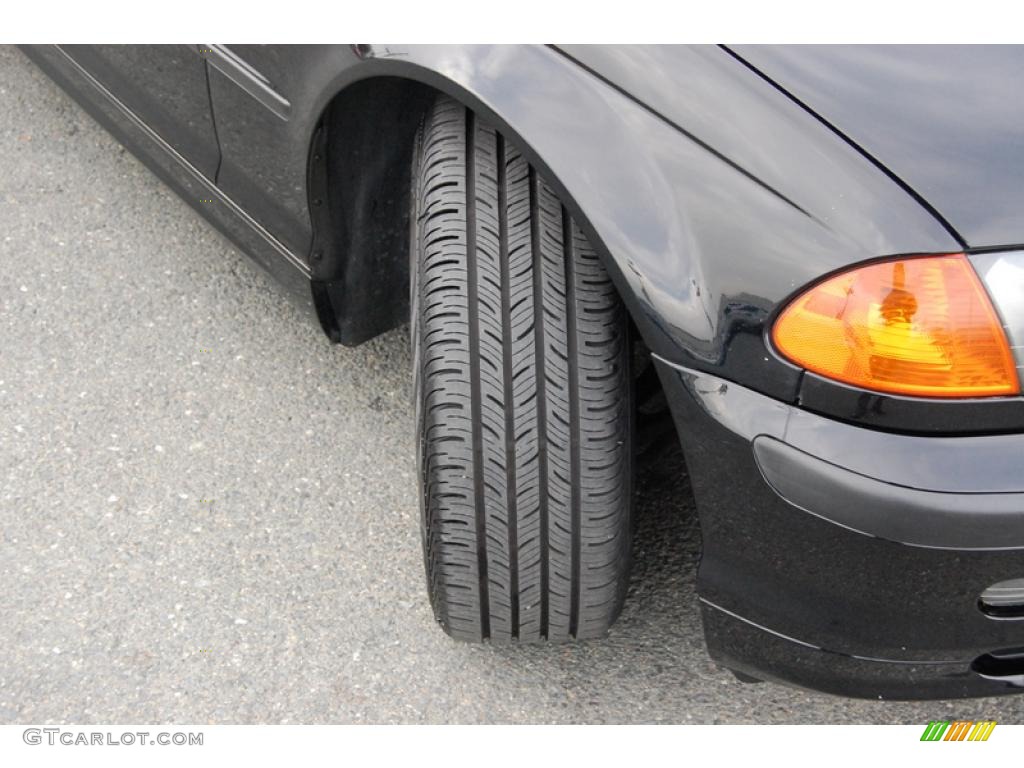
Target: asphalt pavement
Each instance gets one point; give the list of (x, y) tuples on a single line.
[(208, 513)]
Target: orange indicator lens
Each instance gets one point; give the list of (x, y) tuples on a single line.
[(913, 326)]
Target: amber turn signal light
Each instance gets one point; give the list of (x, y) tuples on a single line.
[(919, 326)]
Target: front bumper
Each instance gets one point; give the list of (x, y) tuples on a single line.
[(851, 560)]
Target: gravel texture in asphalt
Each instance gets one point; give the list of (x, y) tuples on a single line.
[(208, 513)]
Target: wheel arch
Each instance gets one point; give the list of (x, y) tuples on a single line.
[(359, 179)]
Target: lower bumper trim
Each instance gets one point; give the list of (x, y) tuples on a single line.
[(759, 652)]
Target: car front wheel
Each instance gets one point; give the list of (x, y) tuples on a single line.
[(523, 396)]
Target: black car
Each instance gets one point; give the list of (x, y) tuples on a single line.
[(817, 255)]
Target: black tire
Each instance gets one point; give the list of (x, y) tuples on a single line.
[(523, 397)]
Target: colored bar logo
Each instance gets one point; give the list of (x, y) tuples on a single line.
[(959, 730)]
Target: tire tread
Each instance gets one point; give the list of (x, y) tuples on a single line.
[(523, 397)]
